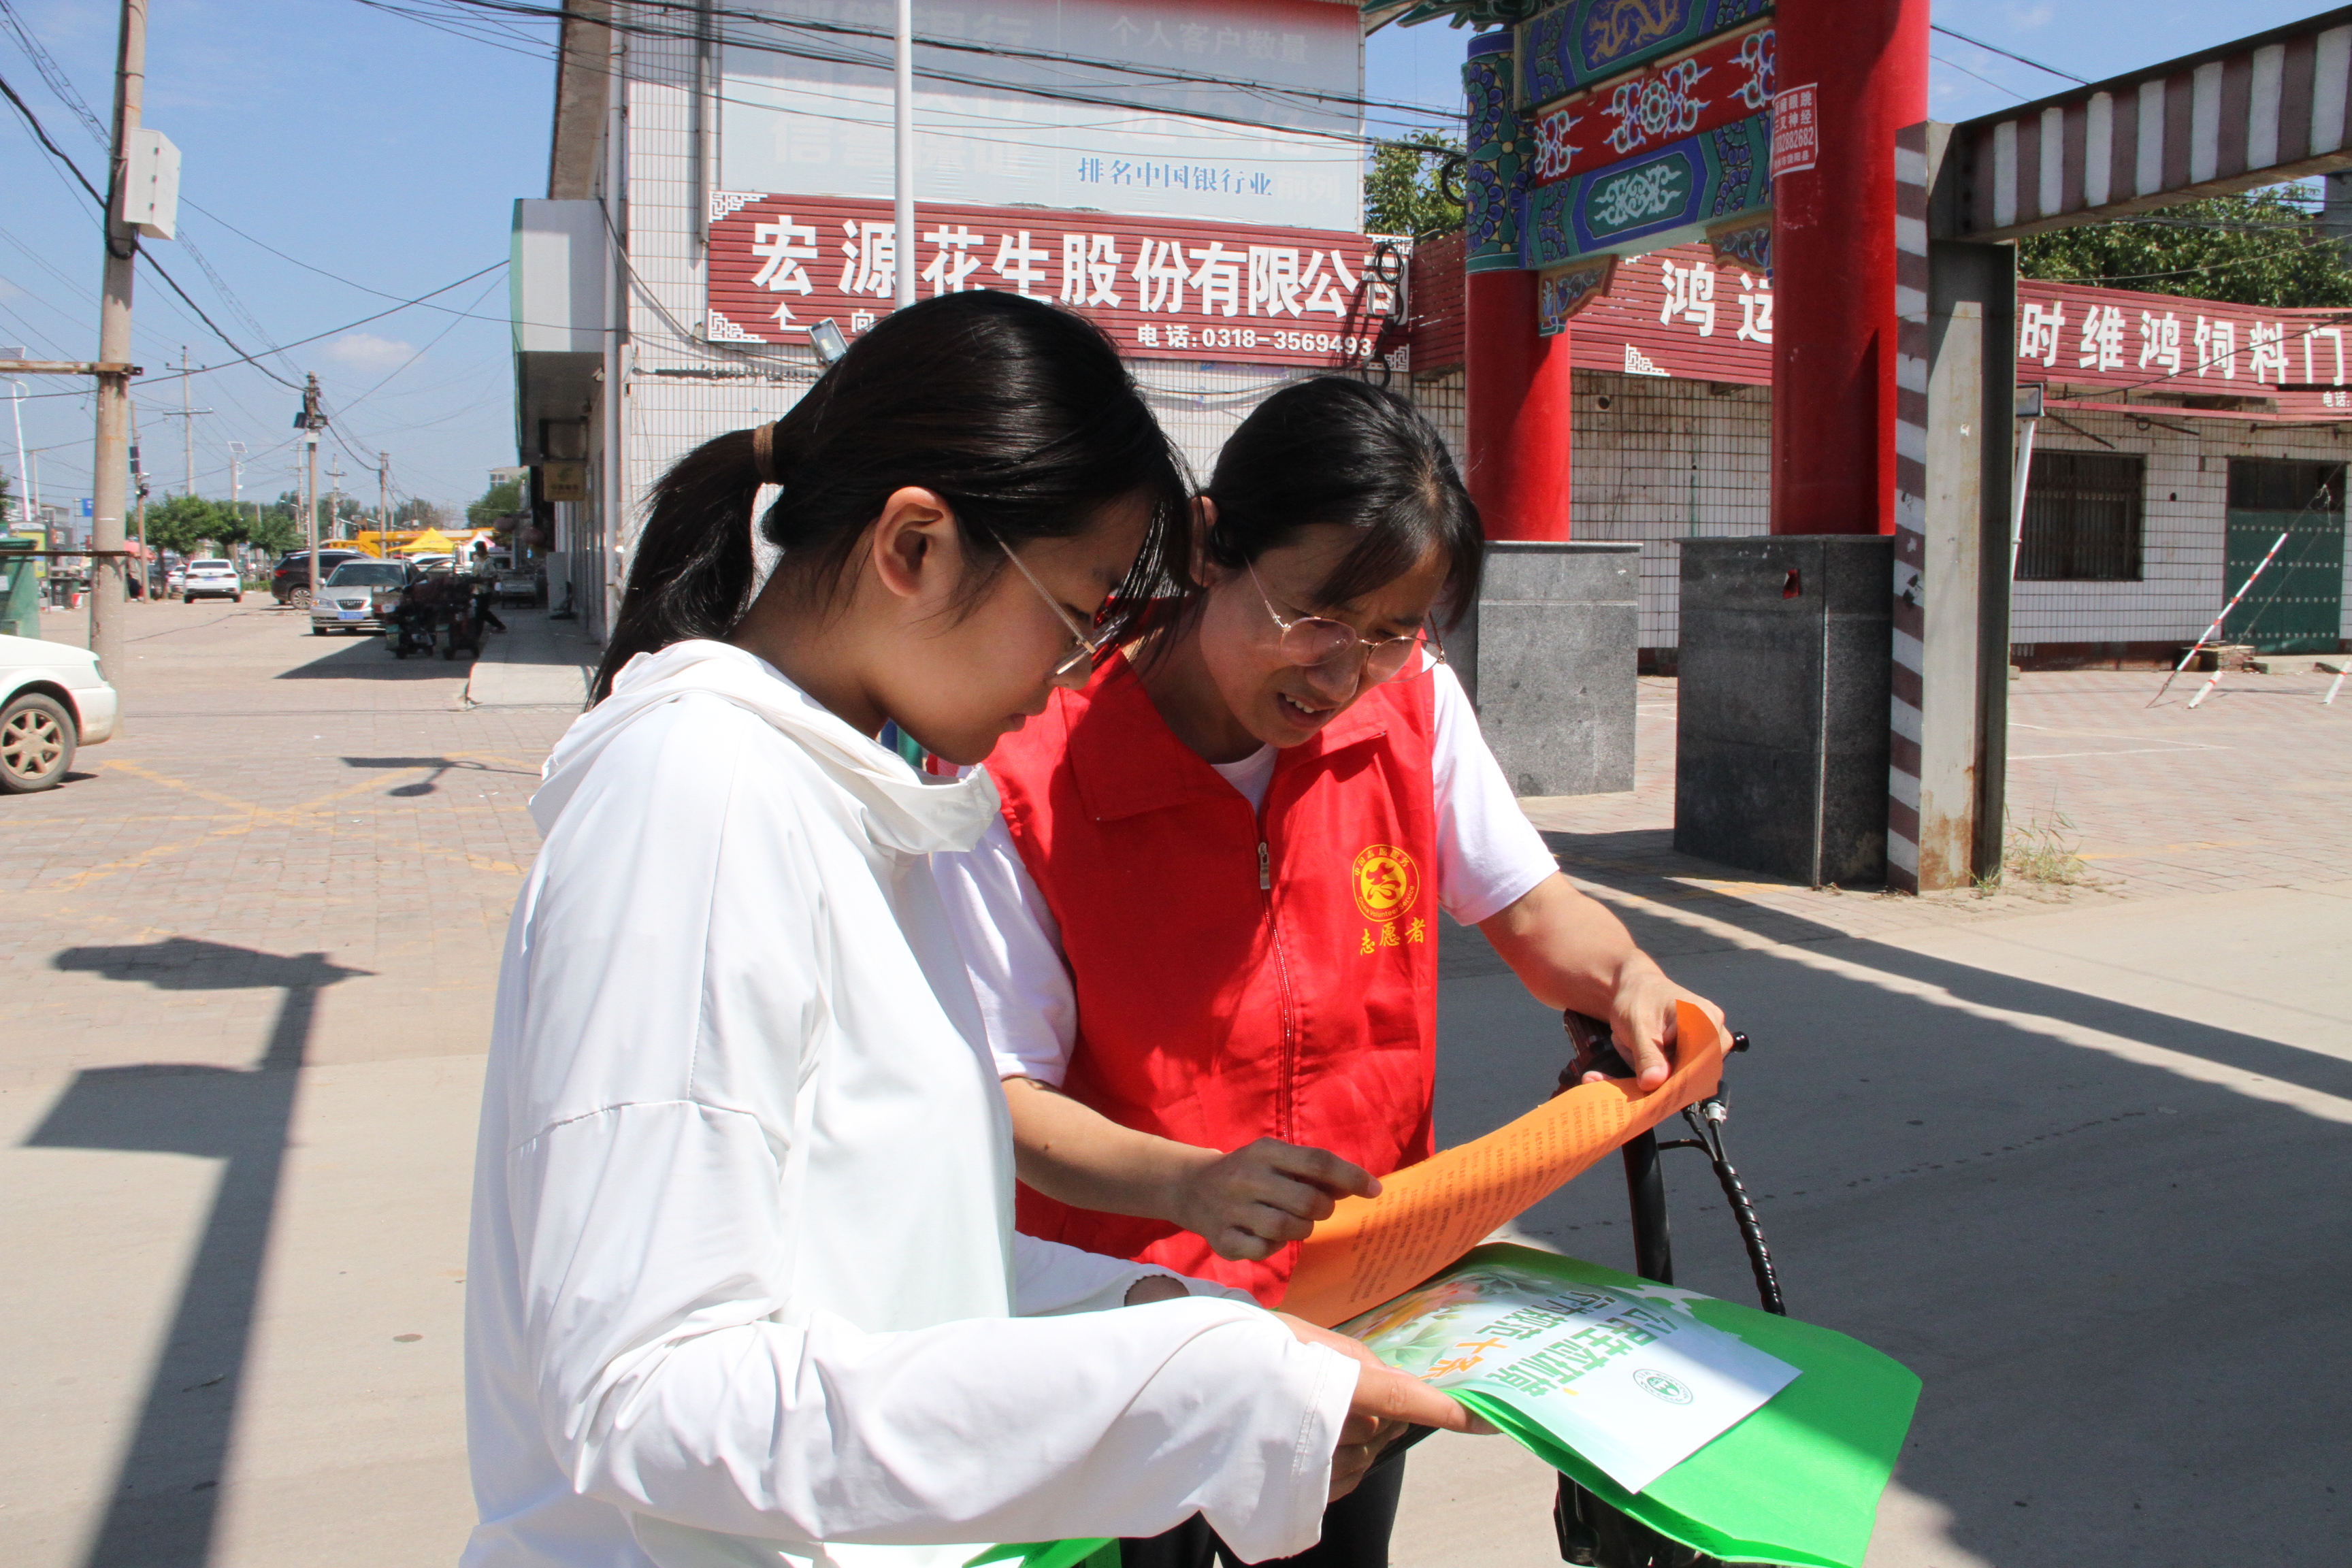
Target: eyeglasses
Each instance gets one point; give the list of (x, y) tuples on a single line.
[(1090, 649), (1317, 643)]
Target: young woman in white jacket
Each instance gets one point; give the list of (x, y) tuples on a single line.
[(743, 1285)]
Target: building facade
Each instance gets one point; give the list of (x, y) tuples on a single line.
[(2180, 439), (664, 287)]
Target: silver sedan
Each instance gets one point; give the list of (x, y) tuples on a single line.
[(356, 595)]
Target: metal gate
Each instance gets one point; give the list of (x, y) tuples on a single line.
[(2298, 605)]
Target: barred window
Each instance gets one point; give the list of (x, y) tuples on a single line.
[(2260, 484), (2083, 513)]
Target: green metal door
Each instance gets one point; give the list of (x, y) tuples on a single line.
[(2298, 604)]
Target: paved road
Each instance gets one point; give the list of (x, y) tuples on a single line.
[(2078, 1157)]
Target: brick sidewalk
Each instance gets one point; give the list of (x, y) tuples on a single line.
[(271, 793), (2252, 789)]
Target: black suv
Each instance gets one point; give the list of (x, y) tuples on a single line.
[(289, 582)]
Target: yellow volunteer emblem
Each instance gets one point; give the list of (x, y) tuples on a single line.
[(1386, 881)]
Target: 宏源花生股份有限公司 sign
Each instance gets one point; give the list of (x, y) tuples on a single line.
[(1162, 287), (1238, 111)]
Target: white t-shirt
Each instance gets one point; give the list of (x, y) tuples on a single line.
[(1488, 858)]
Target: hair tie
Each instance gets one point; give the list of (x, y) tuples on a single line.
[(763, 454)]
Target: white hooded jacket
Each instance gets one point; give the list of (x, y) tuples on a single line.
[(743, 1282)]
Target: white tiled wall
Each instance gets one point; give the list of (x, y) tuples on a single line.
[(2183, 533), (1664, 461), (1440, 397), (1669, 460)]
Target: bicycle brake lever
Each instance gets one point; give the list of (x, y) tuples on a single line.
[(1596, 1051)]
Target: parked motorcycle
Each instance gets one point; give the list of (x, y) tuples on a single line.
[(409, 625)]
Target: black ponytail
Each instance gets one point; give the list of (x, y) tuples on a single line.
[(1018, 413), (1334, 450)]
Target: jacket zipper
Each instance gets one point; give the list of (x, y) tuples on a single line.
[(1284, 1087)]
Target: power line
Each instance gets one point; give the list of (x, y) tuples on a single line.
[(1964, 70), (878, 62), (2007, 54), (62, 86), (558, 13), (51, 72), (58, 153)]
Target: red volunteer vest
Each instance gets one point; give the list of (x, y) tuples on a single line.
[(1237, 976)]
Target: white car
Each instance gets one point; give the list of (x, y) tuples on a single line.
[(53, 698), (357, 594), (212, 579)]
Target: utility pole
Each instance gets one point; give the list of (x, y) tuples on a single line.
[(110, 470), (186, 417), (23, 486), (333, 525), (383, 492), (138, 479), (237, 493), (310, 421)]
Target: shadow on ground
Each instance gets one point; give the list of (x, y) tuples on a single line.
[(165, 1498), (344, 656), (432, 780), (2122, 1283)]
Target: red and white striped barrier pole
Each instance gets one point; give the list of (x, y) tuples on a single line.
[(2216, 627)]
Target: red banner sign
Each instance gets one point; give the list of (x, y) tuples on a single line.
[(1162, 287), (1689, 312)]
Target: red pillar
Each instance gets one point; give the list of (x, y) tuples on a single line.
[(1834, 263), (1518, 420)]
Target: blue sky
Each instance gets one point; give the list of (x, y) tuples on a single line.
[(371, 147)]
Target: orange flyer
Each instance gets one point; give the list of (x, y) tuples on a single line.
[(1429, 1215)]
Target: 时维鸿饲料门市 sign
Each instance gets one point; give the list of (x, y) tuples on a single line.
[(1162, 287), (1692, 313)]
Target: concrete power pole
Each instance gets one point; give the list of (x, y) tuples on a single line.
[(139, 484), (383, 492), (310, 421), (111, 467), (334, 496)]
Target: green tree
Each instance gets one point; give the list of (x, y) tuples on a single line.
[(276, 529), (418, 512), (1405, 188), (2261, 248), (190, 525), (500, 500)]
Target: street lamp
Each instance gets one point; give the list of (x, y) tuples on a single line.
[(237, 491), (24, 490)]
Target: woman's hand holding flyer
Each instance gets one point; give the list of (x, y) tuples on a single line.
[(1387, 1402)]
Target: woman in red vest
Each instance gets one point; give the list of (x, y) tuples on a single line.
[(1204, 934)]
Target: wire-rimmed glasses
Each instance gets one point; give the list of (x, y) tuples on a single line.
[(1091, 648), (1318, 643)]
